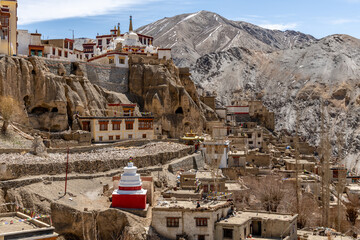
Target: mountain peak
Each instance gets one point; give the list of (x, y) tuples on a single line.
[(192, 35)]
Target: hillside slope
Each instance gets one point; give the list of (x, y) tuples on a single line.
[(294, 80), (190, 36)]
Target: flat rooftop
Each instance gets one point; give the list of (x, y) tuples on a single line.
[(300, 161), (191, 205), (310, 236), (235, 186), (236, 153), (208, 175), (16, 226), (242, 217)]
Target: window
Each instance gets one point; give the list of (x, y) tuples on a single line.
[(86, 126), (59, 53), (251, 142), (249, 135), (259, 134), (100, 139), (145, 124), (201, 222), (144, 136), (227, 233), (66, 44), (116, 125), (53, 51), (172, 222), (236, 162), (111, 60), (201, 237), (66, 54), (100, 42), (111, 138), (130, 136), (129, 125), (117, 137), (122, 61), (103, 125), (206, 188)]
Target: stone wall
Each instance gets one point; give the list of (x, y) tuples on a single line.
[(194, 161), (106, 76), (12, 171)]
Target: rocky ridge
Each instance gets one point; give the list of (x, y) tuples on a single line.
[(295, 81), (191, 36)]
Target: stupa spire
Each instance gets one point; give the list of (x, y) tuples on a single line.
[(118, 30), (130, 26)]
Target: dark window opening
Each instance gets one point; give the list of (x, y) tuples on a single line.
[(179, 111), (55, 109), (33, 72), (227, 233)]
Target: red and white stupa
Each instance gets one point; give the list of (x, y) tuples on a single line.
[(130, 193)]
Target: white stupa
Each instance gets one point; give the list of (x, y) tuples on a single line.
[(130, 193)]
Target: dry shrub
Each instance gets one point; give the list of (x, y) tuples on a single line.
[(9, 108)]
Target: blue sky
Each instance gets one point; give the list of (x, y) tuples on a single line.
[(56, 18)]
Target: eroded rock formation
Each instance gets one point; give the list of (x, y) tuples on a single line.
[(170, 95), (50, 100)]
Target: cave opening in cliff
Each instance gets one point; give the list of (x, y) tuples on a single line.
[(55, 109), (33, 72), (39, 110), (179, 110), (26, 101)]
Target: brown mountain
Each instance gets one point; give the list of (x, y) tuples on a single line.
[(192, 35)]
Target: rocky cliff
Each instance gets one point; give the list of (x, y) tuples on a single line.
[(50, 100), (295, 81), (191, 36), (161, 88)]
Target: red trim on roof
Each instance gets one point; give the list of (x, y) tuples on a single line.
[(145, 36), (106, 36), (69, 40), (164, 49), (113, 104)]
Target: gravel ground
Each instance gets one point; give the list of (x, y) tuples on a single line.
[(96, 155)]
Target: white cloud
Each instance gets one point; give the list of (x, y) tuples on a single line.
[(343, 21), (46, 10), (280, 26)]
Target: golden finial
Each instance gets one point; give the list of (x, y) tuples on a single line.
[(118, 30)]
